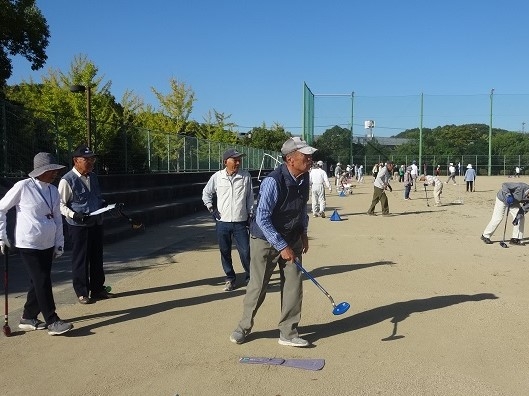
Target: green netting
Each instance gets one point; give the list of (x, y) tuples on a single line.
[(308, 114)]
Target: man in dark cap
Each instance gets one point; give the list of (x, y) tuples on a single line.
[(80, 196), (233, 189), (278, 237)]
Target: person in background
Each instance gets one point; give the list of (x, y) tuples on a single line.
[(361, 174), (408, 183), (337, 174), (81, 195), (278, 237), (414, 173), (39, 239), (233, 188), (437, 187), (514, 199), (318, 182), (451, 173), (470, 178), (380, 186), (438, 170), (402, 170)]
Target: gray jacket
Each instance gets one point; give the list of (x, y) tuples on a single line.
[(519, 191)]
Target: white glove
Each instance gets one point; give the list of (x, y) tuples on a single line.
[(4, 245), (58, 252)]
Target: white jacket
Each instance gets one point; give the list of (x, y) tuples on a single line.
[(234, 195), (39, 220)]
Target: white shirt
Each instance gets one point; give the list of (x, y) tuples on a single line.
[(414, 170), (319, 176), (433, 180), (39, 220), (383, 177)]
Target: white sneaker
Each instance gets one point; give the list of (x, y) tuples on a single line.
[(229, 286), (314, 215), (294, 342)]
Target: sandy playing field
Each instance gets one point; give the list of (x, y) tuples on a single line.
[(434, 311)]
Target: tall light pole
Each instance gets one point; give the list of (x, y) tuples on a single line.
[(82, 89), (490, 133), (352, 119)]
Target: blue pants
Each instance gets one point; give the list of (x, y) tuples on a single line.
[(238, 231)]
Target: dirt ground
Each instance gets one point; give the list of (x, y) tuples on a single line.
[(434, 311)]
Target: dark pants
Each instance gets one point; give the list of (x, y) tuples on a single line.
[(470, 186), (40, 295), (225, 233), (379, 195), (87, 259), (407, 190)]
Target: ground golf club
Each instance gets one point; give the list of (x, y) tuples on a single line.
[(135, 224), (339, 309), (6, 329), (502, 243), (426, 193)]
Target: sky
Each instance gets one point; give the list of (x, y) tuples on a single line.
[(250, 59)]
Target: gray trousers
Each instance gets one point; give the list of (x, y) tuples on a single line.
[(264, 259)]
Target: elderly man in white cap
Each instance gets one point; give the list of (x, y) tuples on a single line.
[(278, 237), (318, 182), (233, 189), (39, 239)]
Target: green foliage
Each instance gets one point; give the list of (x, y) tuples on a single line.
[(334, 145), (267, 139), (23, 31)]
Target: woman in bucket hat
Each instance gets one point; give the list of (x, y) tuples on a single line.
[(39, 239)]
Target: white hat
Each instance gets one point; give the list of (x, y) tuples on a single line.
[(297, 144), (469, 166), (320, 163), (44, 162), (338, 164), (451, 163)]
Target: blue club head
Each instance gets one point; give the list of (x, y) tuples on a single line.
[(341, 308)]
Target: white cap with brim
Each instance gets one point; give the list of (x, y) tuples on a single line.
[(297, 144), (44, 162)]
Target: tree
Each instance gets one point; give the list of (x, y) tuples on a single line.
[(23, 31), (334, 145), (267, 139), (51, 100), (176, 107)]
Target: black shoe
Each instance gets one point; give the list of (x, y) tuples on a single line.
[(516, 241), (486, 240)]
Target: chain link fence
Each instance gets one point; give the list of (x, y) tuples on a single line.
[(501, 164), (121, 149)]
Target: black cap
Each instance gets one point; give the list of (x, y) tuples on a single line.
[(83, 151), (231, 153)]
